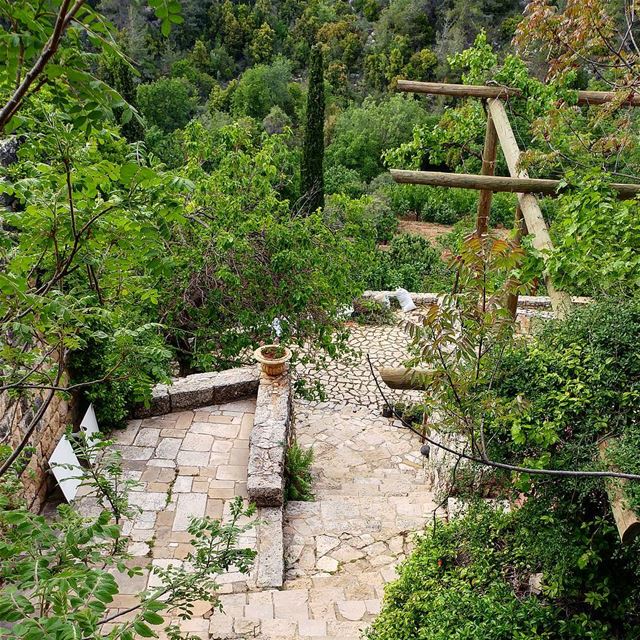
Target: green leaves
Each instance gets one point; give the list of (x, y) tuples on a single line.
[(169, 12), (596, 238)]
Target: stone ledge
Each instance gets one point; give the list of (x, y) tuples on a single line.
[(201, 390), (524, 302), (270, 558), (268, 442)]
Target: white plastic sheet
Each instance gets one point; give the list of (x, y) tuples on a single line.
[(89, 426), (68, 478)]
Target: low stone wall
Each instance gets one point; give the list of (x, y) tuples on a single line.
[(269, 563), (524, 302), (201, 390), (268, 442)]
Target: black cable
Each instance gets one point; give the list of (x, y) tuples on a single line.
[(501, 465)]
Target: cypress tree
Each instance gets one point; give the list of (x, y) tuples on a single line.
[(313, 147)]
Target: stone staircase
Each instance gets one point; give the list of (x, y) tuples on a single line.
[(372, 495)]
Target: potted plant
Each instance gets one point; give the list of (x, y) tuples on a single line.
[(273, 358)]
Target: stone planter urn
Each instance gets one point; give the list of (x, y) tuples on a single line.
[(273, 358)]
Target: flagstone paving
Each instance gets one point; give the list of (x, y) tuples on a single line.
[(186, 464), (372, 494), (349, 381)]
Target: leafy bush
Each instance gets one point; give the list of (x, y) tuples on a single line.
[(404, 199), (384, 218), (202, 81), (444, 206), (298, 473), (596, 240), (339, 179), (407, 262), (340, 209), (167, 103), (276, 121), (125, 362), (249, 260), (368, 311), (471, 579), (578, 382), (262, 87), (361, 134), (165, 146)]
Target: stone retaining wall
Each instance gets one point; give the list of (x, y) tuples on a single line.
[(15, 416)]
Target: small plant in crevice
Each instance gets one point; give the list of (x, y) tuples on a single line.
[(298, 473), (413, 413)]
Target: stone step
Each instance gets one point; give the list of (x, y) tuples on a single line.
[(292, 614)]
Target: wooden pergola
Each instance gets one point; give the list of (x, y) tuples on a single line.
[(528, 214), (528, 218)]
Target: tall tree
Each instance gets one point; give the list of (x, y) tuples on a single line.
[(313, 148)]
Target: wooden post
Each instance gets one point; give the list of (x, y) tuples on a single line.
[(488, 169), (627, 521), (512, 298), (560, 301)]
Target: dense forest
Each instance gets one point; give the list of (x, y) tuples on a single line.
[(183, 181)]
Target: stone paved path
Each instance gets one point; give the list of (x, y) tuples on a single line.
[(372, 495), (349, 381), (187, 464)]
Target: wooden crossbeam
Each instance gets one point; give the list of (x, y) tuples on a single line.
[(543, 186), (504, 93), (403, 378)]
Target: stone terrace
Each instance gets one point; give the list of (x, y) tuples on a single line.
[(187, 464), (348, 382), (372, 495)]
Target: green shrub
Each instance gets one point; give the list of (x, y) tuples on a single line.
[(276, 121), (165, 146), (404, 199), (470, 579), (362, 133), (444, 206), (262, 87), (127, 362), (298, 473), (339, 179), (406, 262), (167, 103), (202, 81), (384, 219), (341, 209), (448, 206), (578, 382), (368, 311)]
